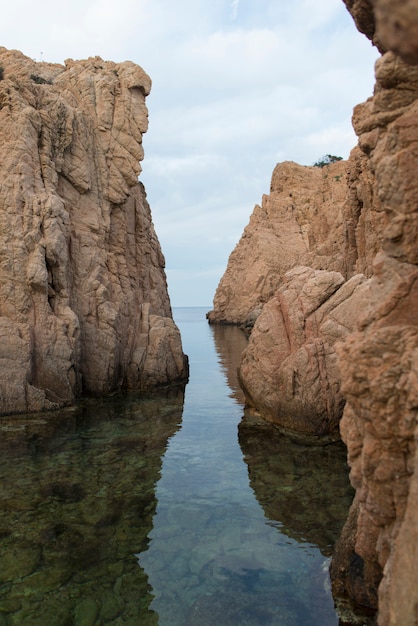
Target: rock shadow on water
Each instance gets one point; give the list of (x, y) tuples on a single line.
[(303, 487), (230, 342), (77, 502), (304, 491)]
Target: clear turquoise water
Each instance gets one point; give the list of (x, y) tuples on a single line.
[(167, 508)]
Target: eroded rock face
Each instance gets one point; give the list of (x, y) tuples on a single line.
[(390, 24), (289, 370), (83, 296), (376, 560), (283, 232), (323, 218)]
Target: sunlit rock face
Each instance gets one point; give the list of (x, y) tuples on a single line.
[(83, 296), (377, 560), (289, 371), (318, 217), (299, 276)]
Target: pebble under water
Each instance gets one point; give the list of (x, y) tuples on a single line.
[(168, 508)]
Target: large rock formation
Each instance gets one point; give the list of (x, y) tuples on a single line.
[(289, 370), (83, 296), (282, 232), (318, 217), (313, 235), (376, 562)]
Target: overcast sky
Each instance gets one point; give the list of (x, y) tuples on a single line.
[(238, 85)]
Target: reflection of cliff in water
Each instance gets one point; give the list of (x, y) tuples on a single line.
[(76, 504), (305, 488), (230, 342)]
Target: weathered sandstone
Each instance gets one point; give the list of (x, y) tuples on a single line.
[(289, 370), (319, 217), (83, 296), (283, 232), (376, 562)]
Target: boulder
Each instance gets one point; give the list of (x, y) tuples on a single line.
[(289, 370)]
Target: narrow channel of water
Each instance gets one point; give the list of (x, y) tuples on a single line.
[(167, 508), (244, 526)]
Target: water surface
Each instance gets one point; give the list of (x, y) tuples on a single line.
[(168, 508), (244, 527), (77, 499)]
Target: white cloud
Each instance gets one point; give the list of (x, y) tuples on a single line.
[(234, 9)]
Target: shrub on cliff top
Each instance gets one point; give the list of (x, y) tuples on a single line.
[(1, 72), (326, 160)]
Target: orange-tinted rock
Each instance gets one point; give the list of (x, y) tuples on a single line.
[(296, 224), (83, 297), (289, 370), (376, 561), (324, 218)]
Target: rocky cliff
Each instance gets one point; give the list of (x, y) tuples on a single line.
[(310, 244), (323, 218), (83, 296), (293, 366), (376, 562)]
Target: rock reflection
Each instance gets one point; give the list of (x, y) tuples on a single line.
[(230, 342), (304, 489), (77, 501)]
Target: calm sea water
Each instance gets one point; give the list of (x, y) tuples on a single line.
[(168, 508)]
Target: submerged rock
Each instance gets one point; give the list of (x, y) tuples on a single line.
[(77, 504)]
